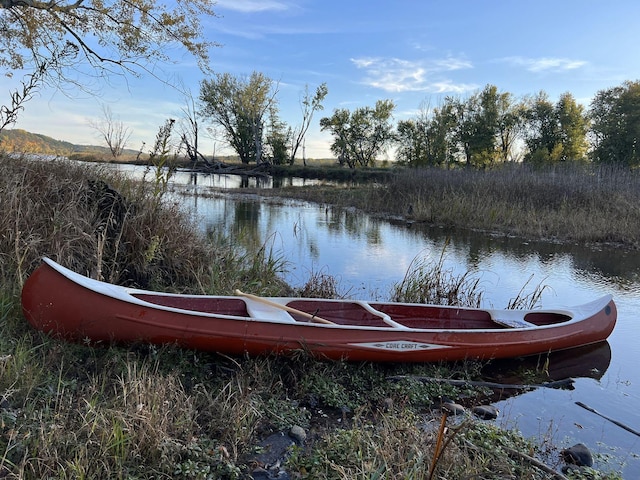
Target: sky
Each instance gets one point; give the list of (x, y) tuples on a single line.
[(414, 52)]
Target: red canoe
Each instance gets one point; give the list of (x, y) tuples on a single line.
[(68, 305)]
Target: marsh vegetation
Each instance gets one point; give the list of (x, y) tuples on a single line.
[(582, 203)]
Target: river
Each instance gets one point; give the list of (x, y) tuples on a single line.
[(368, 256)]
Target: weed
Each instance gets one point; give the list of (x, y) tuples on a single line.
[(430, 282)]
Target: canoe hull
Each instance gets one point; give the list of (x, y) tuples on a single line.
[(67, 305)]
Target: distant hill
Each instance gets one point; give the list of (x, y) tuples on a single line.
[(21, 141)]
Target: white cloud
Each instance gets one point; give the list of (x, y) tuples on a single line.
[(252, 6), (451, 63), (398, 75), (545, 64)]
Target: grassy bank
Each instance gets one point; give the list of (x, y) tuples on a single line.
[(140, 412), (567, 203)]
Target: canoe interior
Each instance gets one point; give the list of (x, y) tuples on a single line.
[(351, 313)]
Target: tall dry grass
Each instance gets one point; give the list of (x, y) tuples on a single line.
[(572, 202), (92, 222), (73, 411)]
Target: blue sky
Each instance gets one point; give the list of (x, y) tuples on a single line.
[(410, 51)]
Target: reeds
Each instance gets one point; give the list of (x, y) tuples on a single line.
[(568, 202), (429, 281)]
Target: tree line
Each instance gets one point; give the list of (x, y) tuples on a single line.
[(487, 128), (492, 127)]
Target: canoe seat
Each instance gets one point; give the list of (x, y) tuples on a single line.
[(263, 311), (512, 319)]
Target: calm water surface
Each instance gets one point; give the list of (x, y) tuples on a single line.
[(368, 256)]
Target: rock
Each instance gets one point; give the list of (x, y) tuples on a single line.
[(387, 404), (485, 412), (578, 455), (298, 434), (452, 408), (273, 449)]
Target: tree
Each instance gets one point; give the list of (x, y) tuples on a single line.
[(309, 106), (55, 41), (362, 135), (277, 140), (615, 115), (112, 131), (30, 85), (555, 133), (574, 126), (108, 35), (190, 129), (411, 139), (542, 136), (476, 126), (239, 106), (510, 126), (427, 140)]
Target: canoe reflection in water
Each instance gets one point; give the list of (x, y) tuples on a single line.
[(553, 370)]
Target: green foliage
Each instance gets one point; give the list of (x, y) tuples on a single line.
[(555, 133), (615, 115), (277, 141), (478, 131), (476, 126), (428, 140), (361, 135)]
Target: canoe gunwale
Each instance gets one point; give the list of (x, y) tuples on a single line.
[(576, 314)]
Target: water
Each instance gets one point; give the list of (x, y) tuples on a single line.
[(368, 256)]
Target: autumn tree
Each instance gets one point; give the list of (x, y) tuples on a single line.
[(476, 128), (278, 137), (361, 135), (541, 135), (615, 114), (240, 106), (71, 42), (574, 126), (509, 126)]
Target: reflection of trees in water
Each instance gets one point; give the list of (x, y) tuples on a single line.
[(245, 220), (245, 226), (620, 266), (352, 223)]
